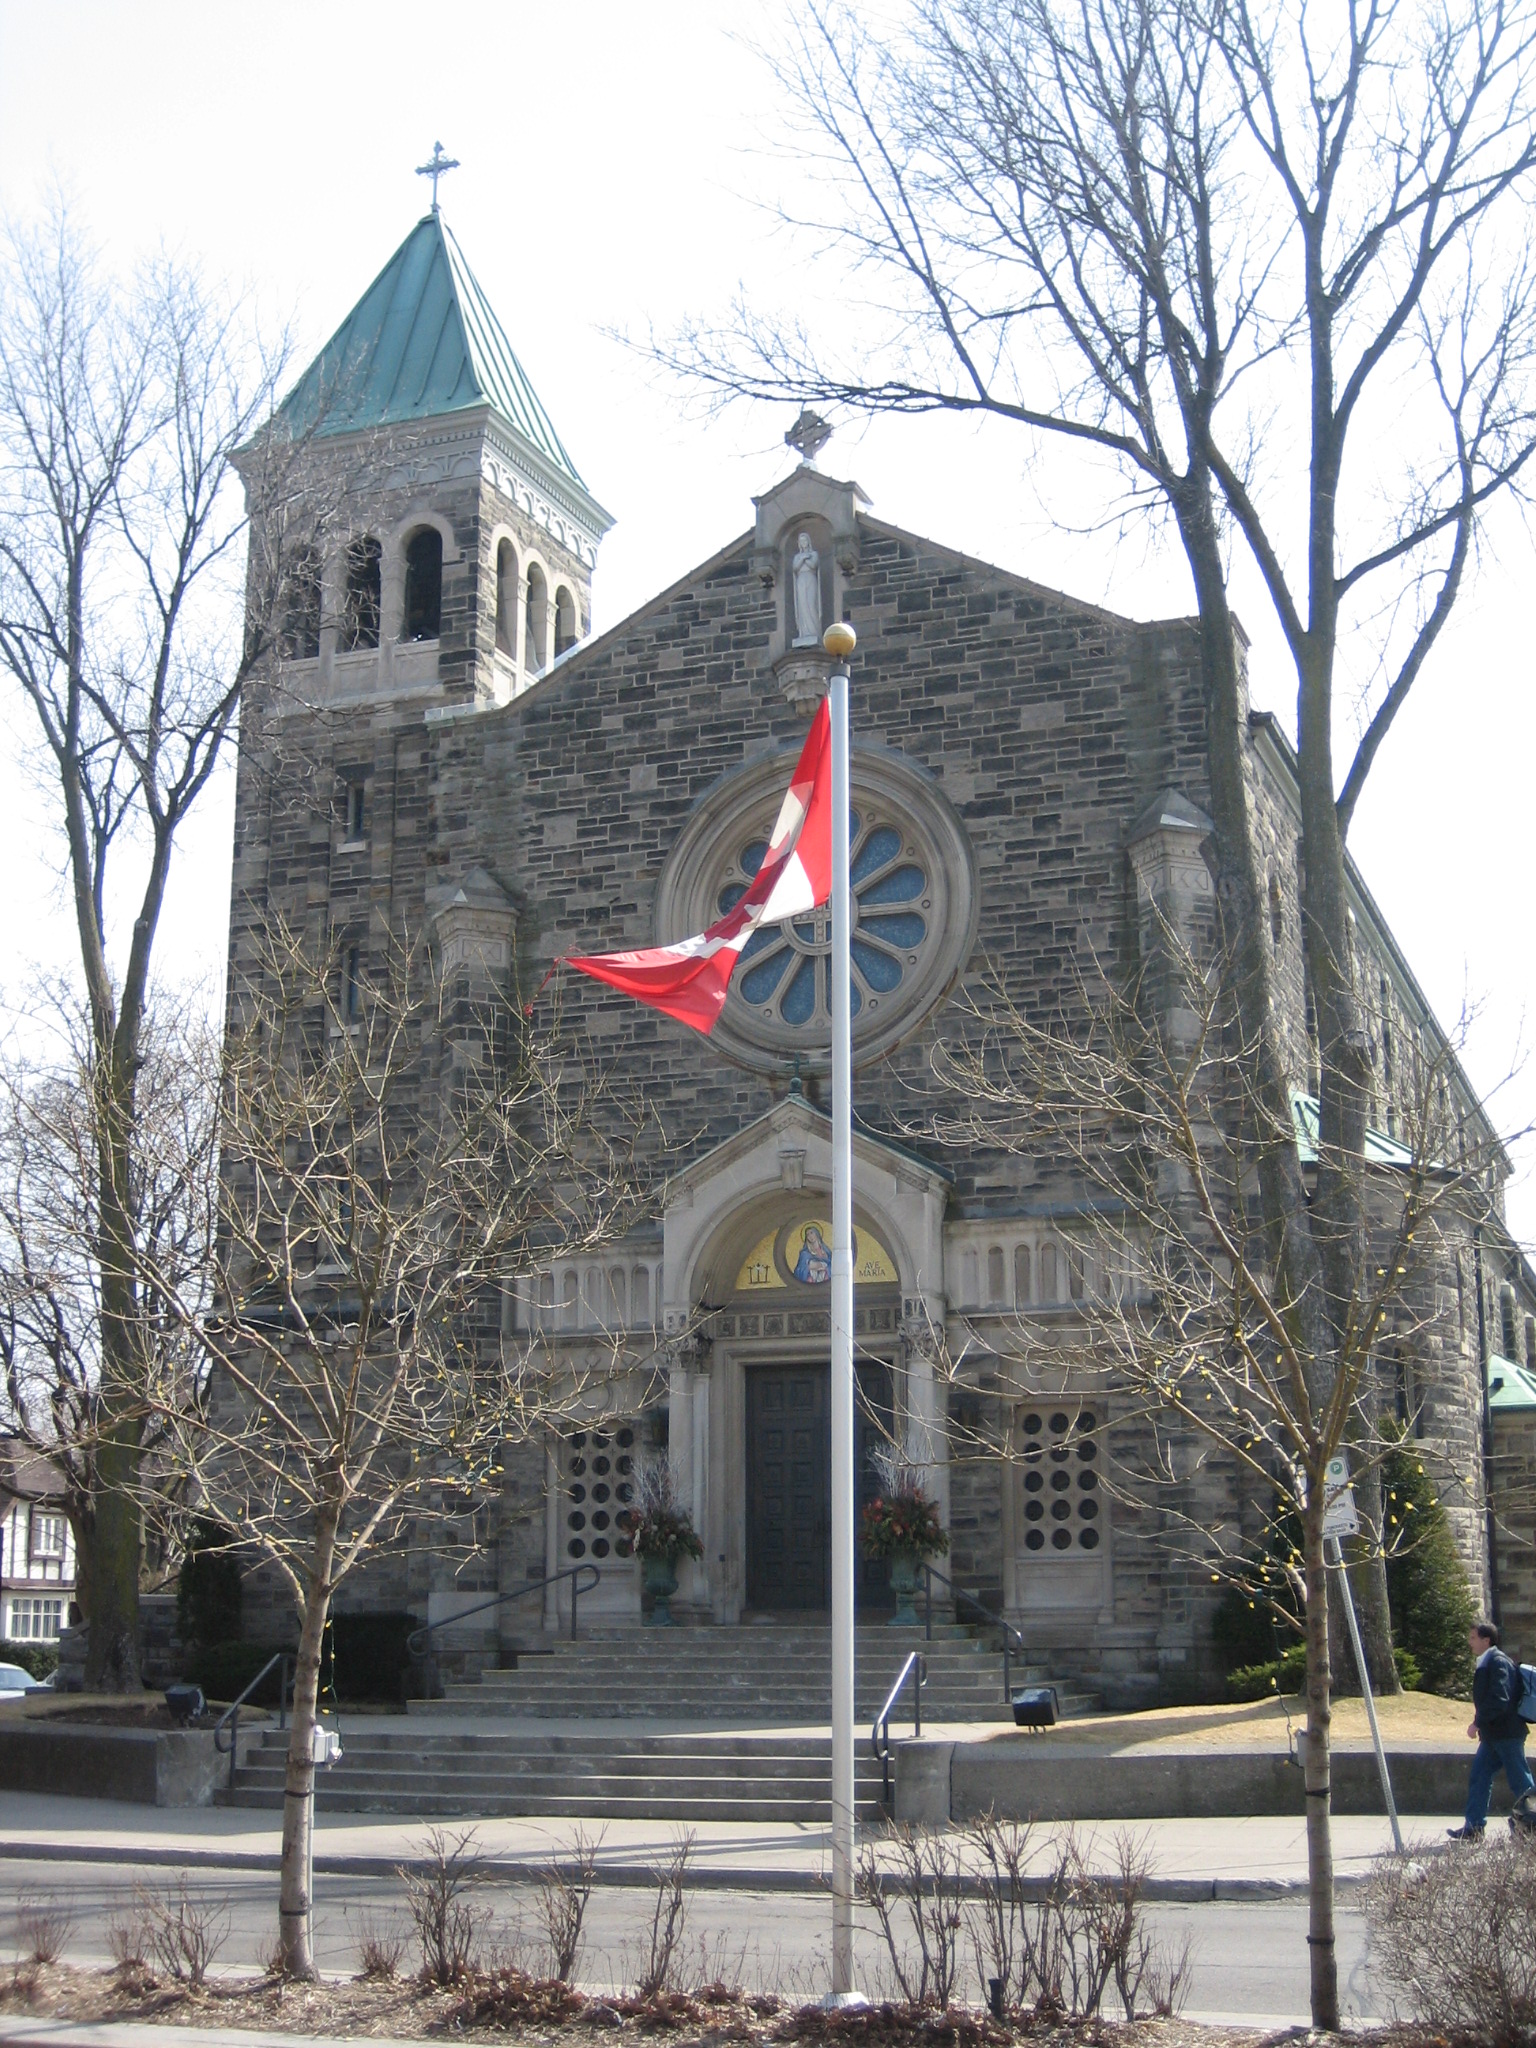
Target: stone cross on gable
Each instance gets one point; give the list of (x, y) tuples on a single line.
[(436, 166), (809, 435)]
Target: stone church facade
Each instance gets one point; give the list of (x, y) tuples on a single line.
[(449, 750)]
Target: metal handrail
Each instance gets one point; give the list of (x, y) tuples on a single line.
[(1012, 1640), (915, 1668), (230, 1718), (415, 1642)]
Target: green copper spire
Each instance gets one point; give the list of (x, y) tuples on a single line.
[(422, 342)]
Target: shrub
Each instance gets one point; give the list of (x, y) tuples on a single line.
[(224, 1670), (40, 1659), (438, 1897), (1426, 1580), (210, 1601), (1288, 1674), (185, 1930), (1456, 1939)]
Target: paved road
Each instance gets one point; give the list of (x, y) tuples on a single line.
[(1249, 1957)]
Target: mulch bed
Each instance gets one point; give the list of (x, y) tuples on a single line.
[(509, 2005)]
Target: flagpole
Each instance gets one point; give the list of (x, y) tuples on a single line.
[(839, 641)]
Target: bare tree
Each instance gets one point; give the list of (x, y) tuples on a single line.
[(1208, 1427), (395, 1157), (1219, 242), (126, 639), (50, 1291)]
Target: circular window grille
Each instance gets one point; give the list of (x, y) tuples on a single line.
[(786, 970), (913, 923), (1062, 1507), (599, 1490)]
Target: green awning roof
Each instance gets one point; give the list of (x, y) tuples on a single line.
[(420, 343), (1380, 1150), (1510, 1386)]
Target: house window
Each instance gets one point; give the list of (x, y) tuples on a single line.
[(357, 811), (47, 1535), (1063, 1506), (35, 1621), (423, 585), (360, 613)]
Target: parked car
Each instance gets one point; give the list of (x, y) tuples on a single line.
[(14, 1682)]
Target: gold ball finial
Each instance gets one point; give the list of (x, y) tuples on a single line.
[(839, 640)]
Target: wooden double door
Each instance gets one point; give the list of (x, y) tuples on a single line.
[(789, 1485)]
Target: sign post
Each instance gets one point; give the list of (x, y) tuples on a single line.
[(1340, 1519), (839, 642)]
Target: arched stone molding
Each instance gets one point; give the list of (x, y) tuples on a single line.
[(716, 1211), (392, 569), (528, 668), (503, 535)]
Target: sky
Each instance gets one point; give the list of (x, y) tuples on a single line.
[(620, 169)]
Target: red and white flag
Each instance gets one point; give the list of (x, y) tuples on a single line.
[(689, 980)]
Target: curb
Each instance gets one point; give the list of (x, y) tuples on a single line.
[(520, 1870)]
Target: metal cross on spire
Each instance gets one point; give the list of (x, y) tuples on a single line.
[(436, 166)]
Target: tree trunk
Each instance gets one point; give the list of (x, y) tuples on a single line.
[(110, 1568), (117, 1533), (294, 1901), (1368, 1577), (1320, 1937)]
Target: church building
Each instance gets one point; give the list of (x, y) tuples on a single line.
[(446, 748)]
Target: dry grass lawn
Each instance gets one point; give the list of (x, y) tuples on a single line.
[(1412, 1720)]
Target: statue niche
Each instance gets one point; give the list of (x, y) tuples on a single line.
[(806, 585)]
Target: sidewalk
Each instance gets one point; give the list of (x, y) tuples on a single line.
[(1192, 1859)]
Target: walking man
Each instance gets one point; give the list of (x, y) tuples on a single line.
[(1497, 1727)]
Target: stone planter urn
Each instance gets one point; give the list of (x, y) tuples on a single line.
[(659, 1575), (904, 1586)]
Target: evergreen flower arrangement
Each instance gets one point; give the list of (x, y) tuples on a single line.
[(659, 1524), (902, 1522)]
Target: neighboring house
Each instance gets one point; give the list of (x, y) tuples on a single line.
[(37, 1547)]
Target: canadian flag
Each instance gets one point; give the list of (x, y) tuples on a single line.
[(689, 980)]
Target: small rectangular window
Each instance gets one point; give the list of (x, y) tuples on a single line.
[(357, 810), (47, 1535), (352, 986)]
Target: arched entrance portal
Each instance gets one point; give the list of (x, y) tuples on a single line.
[(746, 1298), (787, 1533)]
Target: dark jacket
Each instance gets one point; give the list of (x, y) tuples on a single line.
[(1495, 1698)]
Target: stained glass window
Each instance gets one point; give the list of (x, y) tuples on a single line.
[(786, 969)]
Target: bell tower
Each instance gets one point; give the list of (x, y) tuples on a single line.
[(460, 537)]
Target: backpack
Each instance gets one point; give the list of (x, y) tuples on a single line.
[(1525, 1704)]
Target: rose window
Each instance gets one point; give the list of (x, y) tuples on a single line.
[(786, 970)]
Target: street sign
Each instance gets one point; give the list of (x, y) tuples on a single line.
[(1339, 1515)]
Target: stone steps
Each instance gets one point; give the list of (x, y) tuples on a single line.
[(455, 1760), (685, 1777), (781, 1673)]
